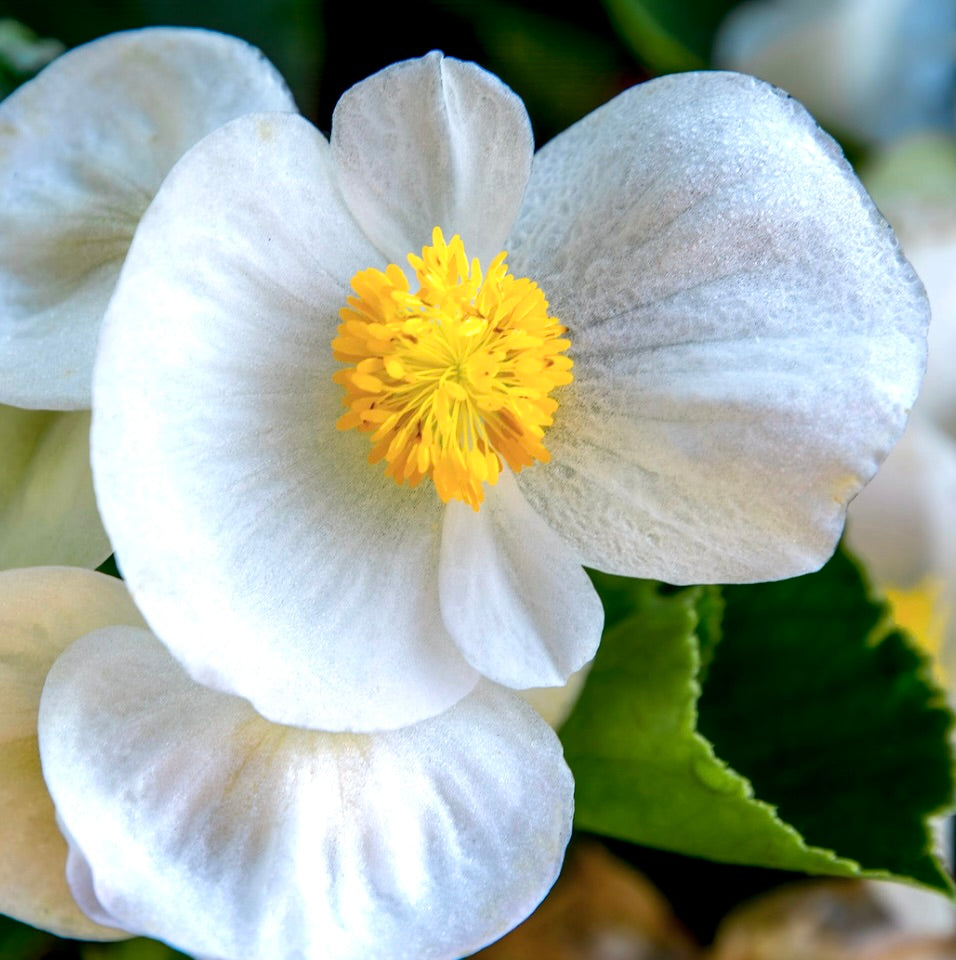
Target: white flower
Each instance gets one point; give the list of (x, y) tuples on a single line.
[(192, 819), (746, 343), (42, 610), (874, 69), (903, 524), (83, 149)]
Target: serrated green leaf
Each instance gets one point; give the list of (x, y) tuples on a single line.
[(644, 773), (853, 746), (669, 36)]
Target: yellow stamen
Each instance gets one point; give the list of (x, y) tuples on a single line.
[(922, 611), (454, 379)]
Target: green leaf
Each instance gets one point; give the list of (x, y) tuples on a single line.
[(21, 942), (669, 36), (854, 735), (796, 663), (136, 949)]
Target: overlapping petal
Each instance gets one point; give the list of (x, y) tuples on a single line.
[(47, 509), (554, 704), (514, 595), (42, 610), (195, 820), (747, 338), (257, 540), (83, 149), (432, 142)]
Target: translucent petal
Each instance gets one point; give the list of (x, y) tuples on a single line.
[(432, 142), (554, 704), (257, 540), (204, 825), (83, 148), (513, 594), (747, 339), (42, 610)]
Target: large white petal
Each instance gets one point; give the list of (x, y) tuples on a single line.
[(432, 142), (257, 540), (83, 149), (747, 338), (48, 512), (203, 824), (42, 610), (515, 596)]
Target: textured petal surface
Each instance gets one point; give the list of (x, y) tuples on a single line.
[(83, 149), (514, 596), (432, 142), (259, 543), (42, 610), (203, 824), (48, 512), (747, 338)]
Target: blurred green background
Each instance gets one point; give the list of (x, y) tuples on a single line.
[(562, 66)]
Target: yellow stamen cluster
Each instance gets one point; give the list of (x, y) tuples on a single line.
[(455, 378), (922, 611)]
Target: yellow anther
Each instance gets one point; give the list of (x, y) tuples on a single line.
[(453, 379)]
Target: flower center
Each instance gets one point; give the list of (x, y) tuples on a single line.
[(455, 378)]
